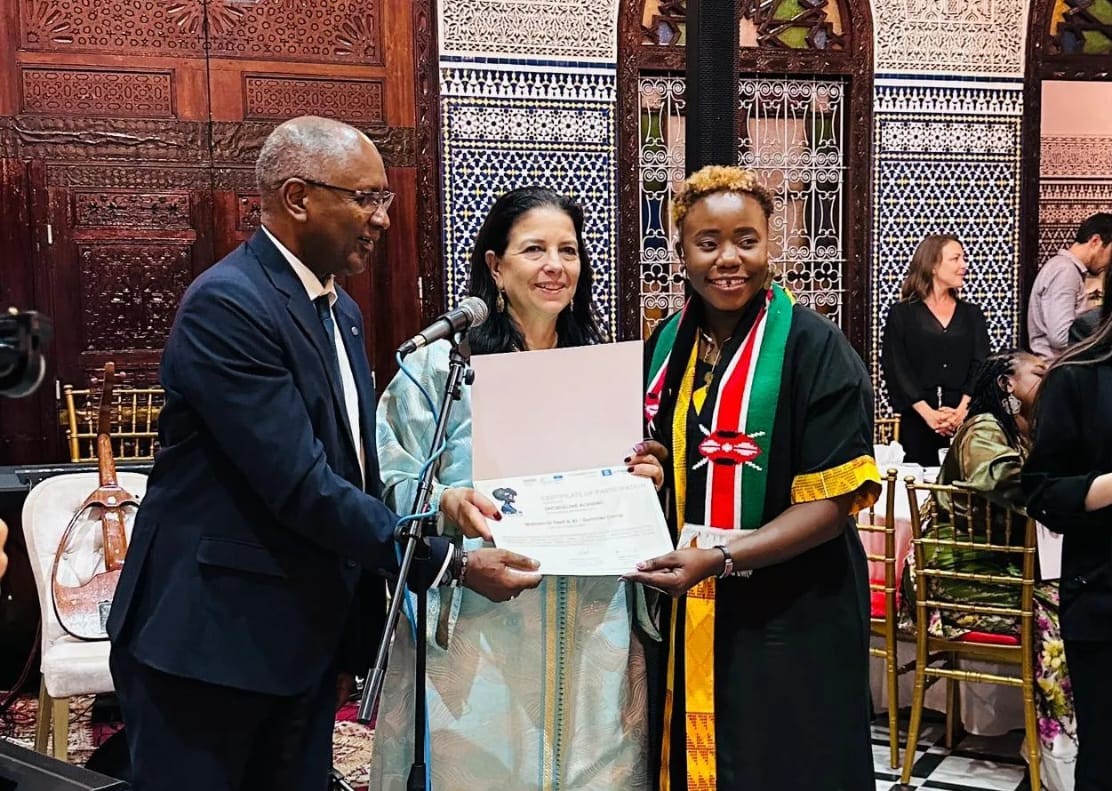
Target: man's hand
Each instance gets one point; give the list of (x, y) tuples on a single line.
[(3, 540), (499, 574), (345, 686), (468, 510), (647, 460), (677, 572)]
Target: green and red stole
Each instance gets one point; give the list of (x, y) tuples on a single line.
[(726, 476)]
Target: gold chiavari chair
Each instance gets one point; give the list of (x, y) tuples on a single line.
[(882, 603), (886, 429), (134, 421), (975, 525)]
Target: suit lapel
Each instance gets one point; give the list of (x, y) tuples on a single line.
[(349, 322), (305, 316)]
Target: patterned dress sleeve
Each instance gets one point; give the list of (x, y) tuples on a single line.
[(990, 465), (833, 400), (405, 428)]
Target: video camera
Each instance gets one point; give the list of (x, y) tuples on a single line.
[(22, 337)]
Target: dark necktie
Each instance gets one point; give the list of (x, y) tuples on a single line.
[(324, 311)]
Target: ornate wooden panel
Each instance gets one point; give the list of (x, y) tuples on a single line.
[(129, 293), (166, 210), (147, 27), (339, 31), (98, 92), (106, 102), (128, 135), (266, 96), (351, 60)]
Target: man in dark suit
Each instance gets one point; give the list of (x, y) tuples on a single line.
[(241, 603)]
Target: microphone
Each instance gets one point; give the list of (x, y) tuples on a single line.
[(471, 312)]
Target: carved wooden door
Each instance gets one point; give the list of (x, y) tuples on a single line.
[(128, 134), (108, 120), (346, 59)]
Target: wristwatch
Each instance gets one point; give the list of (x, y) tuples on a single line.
[(728, 562)]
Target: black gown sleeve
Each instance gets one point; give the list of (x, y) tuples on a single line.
[(1058, 474), (979, 327), (895, 361), (833, 406)]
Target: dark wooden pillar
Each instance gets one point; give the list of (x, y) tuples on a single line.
[(712, 69)]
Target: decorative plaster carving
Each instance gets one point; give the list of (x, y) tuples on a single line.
[(950, 36), (579, 30)]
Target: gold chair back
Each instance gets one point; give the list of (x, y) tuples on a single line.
[(884, 590), (886, 429), (952, 522), (135, 414)]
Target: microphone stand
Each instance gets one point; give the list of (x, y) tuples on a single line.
[(415, 534)]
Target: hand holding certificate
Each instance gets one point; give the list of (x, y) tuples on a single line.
[(546, 428), (583, 523)]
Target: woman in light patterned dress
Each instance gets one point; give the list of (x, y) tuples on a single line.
[(546, 691)]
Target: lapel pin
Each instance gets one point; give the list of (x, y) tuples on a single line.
[(354, 330)]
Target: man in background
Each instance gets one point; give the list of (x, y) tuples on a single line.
[(1058, 295)]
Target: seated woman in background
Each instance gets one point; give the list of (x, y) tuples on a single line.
[(547, 690), (934, 342), (987, 454)]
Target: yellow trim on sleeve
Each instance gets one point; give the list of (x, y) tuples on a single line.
[(859, 476)]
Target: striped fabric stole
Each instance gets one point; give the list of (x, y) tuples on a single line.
[(735, 451)]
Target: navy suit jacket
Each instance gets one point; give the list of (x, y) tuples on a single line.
[(250, 543)]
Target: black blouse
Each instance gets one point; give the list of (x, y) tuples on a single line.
[(920, 355), (1072, 446)]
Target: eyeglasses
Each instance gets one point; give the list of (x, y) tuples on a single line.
[(371, 200)]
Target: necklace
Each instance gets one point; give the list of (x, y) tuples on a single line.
[(555, 343), (711, 343)]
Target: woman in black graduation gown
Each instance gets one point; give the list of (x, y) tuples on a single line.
[(1068, 479), (767, 412), (934, 343)]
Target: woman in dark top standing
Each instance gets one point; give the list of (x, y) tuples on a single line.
[(934, 343), (1068, 480)]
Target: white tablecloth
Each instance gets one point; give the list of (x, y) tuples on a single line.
[(986, 709)]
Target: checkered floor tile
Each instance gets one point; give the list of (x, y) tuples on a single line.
[(978, 762)]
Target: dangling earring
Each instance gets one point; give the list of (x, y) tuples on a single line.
[(1011, 404), (500, 302), (769, 277)]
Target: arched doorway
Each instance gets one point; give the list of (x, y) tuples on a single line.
[(1067, 169), (805, 124)]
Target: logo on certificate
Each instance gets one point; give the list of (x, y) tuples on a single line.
[(506, 496)]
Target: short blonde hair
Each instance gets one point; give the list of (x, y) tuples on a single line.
[(718, 178)]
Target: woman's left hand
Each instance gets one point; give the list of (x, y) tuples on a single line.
[(646, 459), (678, 572), (468, 510)]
